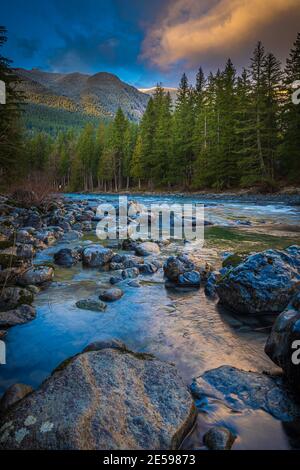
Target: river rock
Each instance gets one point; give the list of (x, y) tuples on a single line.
[(111, 295), (177, 265), (241, 391), (265, 282), (25, 251), (13, 394), (147, 249), (218, 438), (96, 256), (33, 219), (23, 236), (130, 273), (18, 316), (12, 297), (284, 335), (91, 304), (107, 399), (115, 279), (66, 257), (189, 279), (148, 268), (36, 275)]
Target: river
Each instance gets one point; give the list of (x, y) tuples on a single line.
[(185, 328)]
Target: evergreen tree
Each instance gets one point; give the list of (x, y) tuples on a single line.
[(12, 149), (290, 150), (136, 166), (119, 128), (183, 161)]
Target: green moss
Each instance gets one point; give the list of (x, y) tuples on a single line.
[(233, 260), (241, 241)]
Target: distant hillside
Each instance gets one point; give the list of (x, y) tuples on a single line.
[(58, 101), (151, 91)]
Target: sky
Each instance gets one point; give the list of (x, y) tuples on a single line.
[(145, 41)]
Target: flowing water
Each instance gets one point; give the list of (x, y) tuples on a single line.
[(185, 328)]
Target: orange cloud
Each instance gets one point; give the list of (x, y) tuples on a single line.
[(190, 28)]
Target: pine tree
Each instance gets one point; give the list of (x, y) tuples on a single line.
[(119, 129), (12, 149), (147, 131), (162, 139), (290, 150), (183, 163), (136, 166), (272, 77)]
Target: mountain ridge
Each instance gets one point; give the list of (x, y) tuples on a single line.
[(96, 96)]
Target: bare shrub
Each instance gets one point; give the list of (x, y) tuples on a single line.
[(35, 190)]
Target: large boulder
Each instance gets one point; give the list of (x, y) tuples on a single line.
[(36, 275), (95, 256), (284, 342), (240, 391), (18, 316), (12, 297), (265, 282), (108, 399)]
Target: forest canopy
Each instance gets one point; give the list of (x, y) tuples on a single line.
[(227, 131)]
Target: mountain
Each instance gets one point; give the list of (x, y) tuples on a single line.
[(151, 91), (58, 101)]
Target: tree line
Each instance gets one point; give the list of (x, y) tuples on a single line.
[(229, 130)]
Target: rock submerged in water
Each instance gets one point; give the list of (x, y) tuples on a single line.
[(110, 295), (108, 399), (284, 341), (241, 391), (66, 257), (91, 304), (218, 438), (264, 282)]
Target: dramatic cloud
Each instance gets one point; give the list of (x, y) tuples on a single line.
[(191, 29)]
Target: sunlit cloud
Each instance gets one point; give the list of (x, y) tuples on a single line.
[(189, 29)]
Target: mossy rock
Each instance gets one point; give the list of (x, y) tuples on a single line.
[(233, 260)]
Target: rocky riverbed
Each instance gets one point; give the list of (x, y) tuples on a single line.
[(169, 335)]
